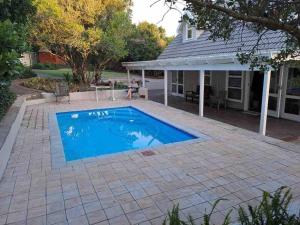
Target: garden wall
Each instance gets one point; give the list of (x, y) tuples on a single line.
[(102, 95)]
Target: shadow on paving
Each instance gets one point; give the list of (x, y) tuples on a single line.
[(282, 129)]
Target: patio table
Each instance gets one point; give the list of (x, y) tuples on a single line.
[(101, 87)]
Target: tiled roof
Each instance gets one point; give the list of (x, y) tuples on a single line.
[(241, 39)]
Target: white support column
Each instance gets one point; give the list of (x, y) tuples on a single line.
[(279, 95), (247, 90), (265, 103), (166, 87), (201, 94), (143, 78), (128, 76)]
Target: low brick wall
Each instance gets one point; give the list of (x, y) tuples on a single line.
[(102, 95), (11, 133)]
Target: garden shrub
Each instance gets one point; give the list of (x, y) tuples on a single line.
[(42, 84), (120, 85), (272, 210), (6, 98), (68, 78), (47, 84), (45, 66), (27, 73)]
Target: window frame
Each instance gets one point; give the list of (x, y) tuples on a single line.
[(228, 76), (176, 72), (189, 28), (209, 74)]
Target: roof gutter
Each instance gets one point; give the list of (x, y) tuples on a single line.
[(198, 60)]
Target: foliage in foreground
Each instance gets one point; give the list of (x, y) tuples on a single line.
[(14, 19), (272, 210), (6, 98), (12, 44)]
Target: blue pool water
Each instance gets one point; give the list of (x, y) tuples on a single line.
[(104, 131)]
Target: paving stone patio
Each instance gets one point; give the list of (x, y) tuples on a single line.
[(135, 189)]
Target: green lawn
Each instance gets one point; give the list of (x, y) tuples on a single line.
[(59, 73)]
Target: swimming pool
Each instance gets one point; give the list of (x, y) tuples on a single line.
[(98, 132)]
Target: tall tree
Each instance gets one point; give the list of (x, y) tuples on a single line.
[(147, 42), (15, 17), (17, 11), (222, 17), (112, 46), (78, 30)]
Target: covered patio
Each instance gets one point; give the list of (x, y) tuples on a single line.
[(199, 65), (282, 129)]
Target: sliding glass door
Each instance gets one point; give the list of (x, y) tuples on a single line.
[(177, 83), (275, 93), (291, 98)]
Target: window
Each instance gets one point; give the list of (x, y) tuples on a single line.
[(293, 83), (177, 83), (235, 86), (207, 78), (189, 32), (274, 82)]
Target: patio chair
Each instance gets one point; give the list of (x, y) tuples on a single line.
[(193, 95), (134, 89), (62, 90), (219, 99)]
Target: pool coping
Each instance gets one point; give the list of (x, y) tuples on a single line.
[(57, 150)]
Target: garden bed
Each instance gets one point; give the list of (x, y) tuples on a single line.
[(48, 85)]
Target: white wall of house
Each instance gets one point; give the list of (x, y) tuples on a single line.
[(218, 83), (191, 80)]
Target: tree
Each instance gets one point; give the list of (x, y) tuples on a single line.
[(17, 11), (15, 17), (82, 30), (13, 44), (112, 46), (222, 17), (147, 42)]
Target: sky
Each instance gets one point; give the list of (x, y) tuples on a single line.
[(142, 11)]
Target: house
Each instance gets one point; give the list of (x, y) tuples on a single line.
[(192, 60), (45, 56)]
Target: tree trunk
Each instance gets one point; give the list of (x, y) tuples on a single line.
[(97, 73)]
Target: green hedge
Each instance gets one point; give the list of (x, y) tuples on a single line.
[(27, 73), (47, 66), (6, 98)]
